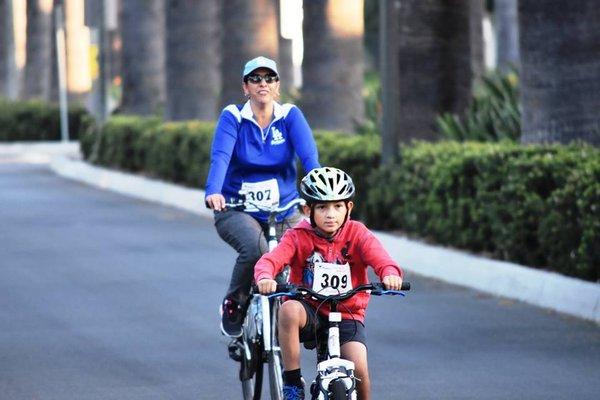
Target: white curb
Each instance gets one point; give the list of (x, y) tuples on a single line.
[(541, 288), (191, 200)]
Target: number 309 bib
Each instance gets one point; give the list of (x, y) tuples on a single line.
[(264, 194), (331, 278)]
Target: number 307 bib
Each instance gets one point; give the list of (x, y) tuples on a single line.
[(331, 278), (264, 194)]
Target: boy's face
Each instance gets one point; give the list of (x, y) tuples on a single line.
[(331, 215)]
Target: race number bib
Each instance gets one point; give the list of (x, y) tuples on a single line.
[(262, 194), (331, 279)]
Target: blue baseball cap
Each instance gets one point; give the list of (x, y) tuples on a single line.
[(259, 62)]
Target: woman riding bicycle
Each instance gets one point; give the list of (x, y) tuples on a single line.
[(330, 251), (253, 157)]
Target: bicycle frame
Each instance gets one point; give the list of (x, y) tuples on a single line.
[(335, 375), (260, 326)]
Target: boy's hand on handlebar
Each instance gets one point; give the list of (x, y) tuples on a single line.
[(392, 282), (215, 201), (267, 286)]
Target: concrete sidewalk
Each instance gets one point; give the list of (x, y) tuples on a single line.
[(545, 289)]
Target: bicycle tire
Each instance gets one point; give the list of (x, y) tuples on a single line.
[(251, 374), (251, 369), (275, 364), (337, 390), (252, 387)]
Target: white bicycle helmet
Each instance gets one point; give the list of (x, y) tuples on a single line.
[(326, 184)]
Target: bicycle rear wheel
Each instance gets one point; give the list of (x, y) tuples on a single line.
[(275, 364)]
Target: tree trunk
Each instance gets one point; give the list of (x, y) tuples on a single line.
[(143, 57), (285, 64), (333, 65), (79, 82), (5, 39), (560, 63), (192, 59), (38, 67), (476, 50), (389, 12), (506, 26), (372, 40), (250, 30), (11, 45), (436, 53)]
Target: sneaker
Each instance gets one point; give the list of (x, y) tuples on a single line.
[(231, 318), (291, 392)]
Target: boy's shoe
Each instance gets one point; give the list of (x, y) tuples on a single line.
[(232, 316), (292, 392)]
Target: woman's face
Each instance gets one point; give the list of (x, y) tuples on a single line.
[(261, 91)]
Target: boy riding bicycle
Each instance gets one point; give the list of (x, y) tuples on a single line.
[(331, 253)]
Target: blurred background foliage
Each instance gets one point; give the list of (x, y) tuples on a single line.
[(493, 115)]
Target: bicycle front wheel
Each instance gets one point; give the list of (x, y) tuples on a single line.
[(251, 363), (252, 386), (274, 357), (251, 374), (337, 390)]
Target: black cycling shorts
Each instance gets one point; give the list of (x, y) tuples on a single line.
[(350, 330)]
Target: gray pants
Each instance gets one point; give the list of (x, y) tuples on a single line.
[(247, 236)]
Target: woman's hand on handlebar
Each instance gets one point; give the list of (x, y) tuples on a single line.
[(392, 282), (215, 201), (266, 286)]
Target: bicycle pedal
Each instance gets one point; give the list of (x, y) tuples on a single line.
[(235, 350)]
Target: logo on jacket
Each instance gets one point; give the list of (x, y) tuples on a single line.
[(276, 137), (308, 274)]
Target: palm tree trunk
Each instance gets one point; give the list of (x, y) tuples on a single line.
[(36, 80), (560, 63), (10, 71), (143, 56), (333, 64), (5, 38), (192, 59), (506, 24), (285, 64), (436, 55), (250, 30), (476, 13), (79, 81)]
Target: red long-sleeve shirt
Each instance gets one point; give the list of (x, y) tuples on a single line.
[(300, 247)]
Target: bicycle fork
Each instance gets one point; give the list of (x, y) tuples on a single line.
[(334, 368)]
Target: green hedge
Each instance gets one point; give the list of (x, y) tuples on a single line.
[(535, 205), (177, 152), (358, 155), (36, 120), (180, 151)]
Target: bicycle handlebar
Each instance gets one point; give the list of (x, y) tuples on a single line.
[(376, 289), (241, 205)]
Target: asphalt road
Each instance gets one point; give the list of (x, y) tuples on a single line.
[(106, 297)]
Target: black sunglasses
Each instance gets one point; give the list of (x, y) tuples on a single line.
[(255, 78)]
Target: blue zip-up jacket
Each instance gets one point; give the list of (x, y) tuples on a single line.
[(243, 152)]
